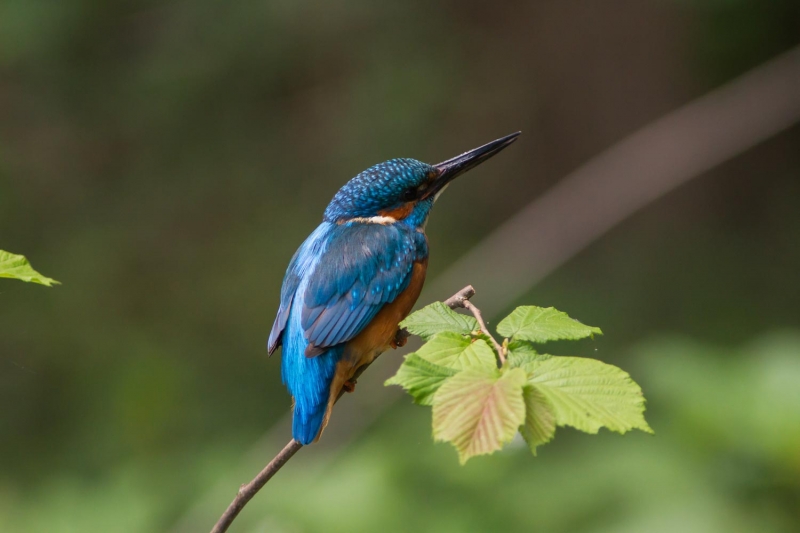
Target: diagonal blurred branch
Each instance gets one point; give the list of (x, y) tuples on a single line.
[(625, 178), (578, 210)]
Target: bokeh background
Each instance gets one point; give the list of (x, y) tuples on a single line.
[(163, 160)]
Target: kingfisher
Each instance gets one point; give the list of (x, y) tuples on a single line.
[(355, 278)]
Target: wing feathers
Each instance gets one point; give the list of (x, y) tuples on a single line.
[(279, 325), (364, 267)]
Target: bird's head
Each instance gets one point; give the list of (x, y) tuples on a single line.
[(403, 189)]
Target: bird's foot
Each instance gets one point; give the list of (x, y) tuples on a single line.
[(349, 385), (400, 339)]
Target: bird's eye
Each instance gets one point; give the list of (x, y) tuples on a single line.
[(409, 195)]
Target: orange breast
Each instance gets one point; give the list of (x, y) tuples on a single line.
[(378, 335)]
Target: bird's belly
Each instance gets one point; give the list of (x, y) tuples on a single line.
[(377, 336)]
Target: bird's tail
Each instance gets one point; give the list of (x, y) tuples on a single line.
[(308, 379), (306, 426), (309, 382)]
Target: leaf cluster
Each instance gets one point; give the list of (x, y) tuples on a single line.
[(480, 403)]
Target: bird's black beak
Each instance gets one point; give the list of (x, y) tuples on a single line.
[(450, 169)]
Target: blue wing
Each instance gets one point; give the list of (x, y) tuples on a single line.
[(364, 267), (290, 283), (353, 269), (301, 263)]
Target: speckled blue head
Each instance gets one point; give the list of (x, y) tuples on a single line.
[(382, 189), (403, 189)]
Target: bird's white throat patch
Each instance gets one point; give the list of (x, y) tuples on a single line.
[(373, 220)]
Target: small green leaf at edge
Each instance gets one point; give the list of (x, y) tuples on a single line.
[(543, 324), (437, 318), (540, 420), (457, 351), (17, 267), (479, 410), (420, 378), (521, 354), (588, 394)]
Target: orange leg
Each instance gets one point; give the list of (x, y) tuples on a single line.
[(399, 340), (349, 385)]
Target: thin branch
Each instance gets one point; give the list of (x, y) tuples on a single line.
[(458, 299), (461, 299), (501, 350), (246, 492)]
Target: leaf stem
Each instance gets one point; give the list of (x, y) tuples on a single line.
[(501, 351)]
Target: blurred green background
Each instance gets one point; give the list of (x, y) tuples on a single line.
[(164, 161)]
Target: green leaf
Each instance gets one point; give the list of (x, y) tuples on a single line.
[(438, 318), (540, 420), (454, 350), (588, 394), (17, 267), (479, 410), (420, 378), (522, 355), (540, 324)]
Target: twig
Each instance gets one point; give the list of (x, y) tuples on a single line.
[(501, 350), (246, 492), (458, 299), (455, 301), (461, 299)]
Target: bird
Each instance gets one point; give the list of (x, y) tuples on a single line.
[(355, 278)]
